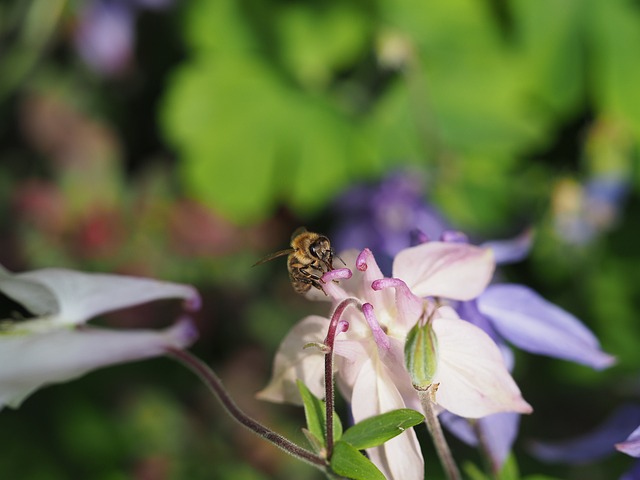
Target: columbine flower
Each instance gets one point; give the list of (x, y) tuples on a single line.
[(396, 212), (55, 346), (471, 377)]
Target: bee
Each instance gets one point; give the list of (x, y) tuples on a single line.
[(309, 257)]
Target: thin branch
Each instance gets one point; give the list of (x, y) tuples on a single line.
[(214, 383), (435, 430)]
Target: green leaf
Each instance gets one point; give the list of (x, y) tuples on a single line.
[(318, 40), (349, 462), (315, 414), (374, 431), (510, 469), (473, 472)]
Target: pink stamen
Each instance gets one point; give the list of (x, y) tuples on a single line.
[(390, 283), (378, 334), (361, 261), (337, 274)]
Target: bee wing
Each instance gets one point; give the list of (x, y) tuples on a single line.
[(298, 231), (271, 256)]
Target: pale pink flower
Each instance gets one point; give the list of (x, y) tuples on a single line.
[(55, 346), (472, 379)]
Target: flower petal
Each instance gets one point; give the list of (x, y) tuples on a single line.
[(81, 296), (30, 361), (535, 325), (36, 298), (511, 250), (294, 362), (474, 381), (631, 446), (452, 270), (368, 273), (374, 392), (498, 432)]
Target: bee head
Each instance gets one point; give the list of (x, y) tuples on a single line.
[(321, 249)]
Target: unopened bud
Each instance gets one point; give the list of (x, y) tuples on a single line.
[(421, 355)]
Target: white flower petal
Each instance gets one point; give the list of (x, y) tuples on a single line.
[(374, 392), (30, 361), (81, 296), (458, 271), (474, 381), (294, 362)]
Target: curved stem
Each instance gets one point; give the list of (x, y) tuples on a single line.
[(328, 369), (435, 430), (214, 383)]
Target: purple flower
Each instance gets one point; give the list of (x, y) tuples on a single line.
[(381, 217), (105, 34), (599, 443)]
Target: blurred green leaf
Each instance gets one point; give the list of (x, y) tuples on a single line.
[(549, 47), (316, 42), (613, 27)]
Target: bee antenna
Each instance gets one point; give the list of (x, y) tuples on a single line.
[(338, 257)]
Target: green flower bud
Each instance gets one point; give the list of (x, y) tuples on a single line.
[(421, 355)]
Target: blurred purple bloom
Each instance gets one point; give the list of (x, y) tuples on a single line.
[(382, 216), (583, 211), (105, 34), (595, 445), (633, 474), (511, 250)]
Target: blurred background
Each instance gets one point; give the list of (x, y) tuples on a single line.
[(184, 140)]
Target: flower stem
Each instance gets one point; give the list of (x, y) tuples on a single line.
[(214, 383), (435, 430), (328, 367)]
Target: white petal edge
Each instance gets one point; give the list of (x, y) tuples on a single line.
[(30, 361), (451, 270), (373, 393), (474, 381), (82, 296), (294, 362)]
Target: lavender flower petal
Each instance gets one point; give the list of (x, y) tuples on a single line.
[(511, 250), (535, 325), (631, 446), (498, 432)]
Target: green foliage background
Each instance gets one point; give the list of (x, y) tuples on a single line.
[(289, 102)]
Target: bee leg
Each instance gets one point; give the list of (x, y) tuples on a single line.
[(311, 278)]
